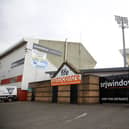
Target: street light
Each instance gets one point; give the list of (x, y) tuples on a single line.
[(123, 23)]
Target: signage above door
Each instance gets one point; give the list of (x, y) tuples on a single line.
[(66, 75)]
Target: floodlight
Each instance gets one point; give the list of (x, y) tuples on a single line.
[(123, 22)]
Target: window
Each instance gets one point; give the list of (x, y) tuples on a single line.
[(17, 63)]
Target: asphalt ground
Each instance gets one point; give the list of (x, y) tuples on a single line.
[(39, 115)]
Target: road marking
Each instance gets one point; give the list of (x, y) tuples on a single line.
[(13, 102), (77, 117)]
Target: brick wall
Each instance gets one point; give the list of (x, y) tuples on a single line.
[(64, 94), (42, 91), (88, 91)]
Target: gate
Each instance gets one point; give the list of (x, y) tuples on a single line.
[(114, 89)]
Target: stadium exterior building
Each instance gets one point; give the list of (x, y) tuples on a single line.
[(70, 85), (31, 61)]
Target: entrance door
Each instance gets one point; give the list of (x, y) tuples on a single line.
[(73, 94), (33, 95), (54, 94)]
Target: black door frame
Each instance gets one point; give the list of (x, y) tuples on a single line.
[(54, 94), (33, 94), (74, 94)]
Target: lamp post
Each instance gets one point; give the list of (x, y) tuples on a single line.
[(65, 50), (123, 23)]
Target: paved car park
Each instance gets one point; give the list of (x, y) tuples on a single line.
[(39, 115)]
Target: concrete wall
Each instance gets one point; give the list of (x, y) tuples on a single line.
[(77, 54)]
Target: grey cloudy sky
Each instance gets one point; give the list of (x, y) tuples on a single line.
[(88, 21)]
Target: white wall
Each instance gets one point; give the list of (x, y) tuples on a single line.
[(5, 67), (31, 73), (18, 84)]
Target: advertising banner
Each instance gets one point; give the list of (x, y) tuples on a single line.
[(114, 89), (66, 80), (39, 59), (47, 50), (66, 76)]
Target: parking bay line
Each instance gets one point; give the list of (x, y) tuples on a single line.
[(77, 117)]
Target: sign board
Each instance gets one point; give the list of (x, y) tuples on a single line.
[(39, 59), (66, 76), (47, 50), (39, 55), (114, 89), (8, 90)]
